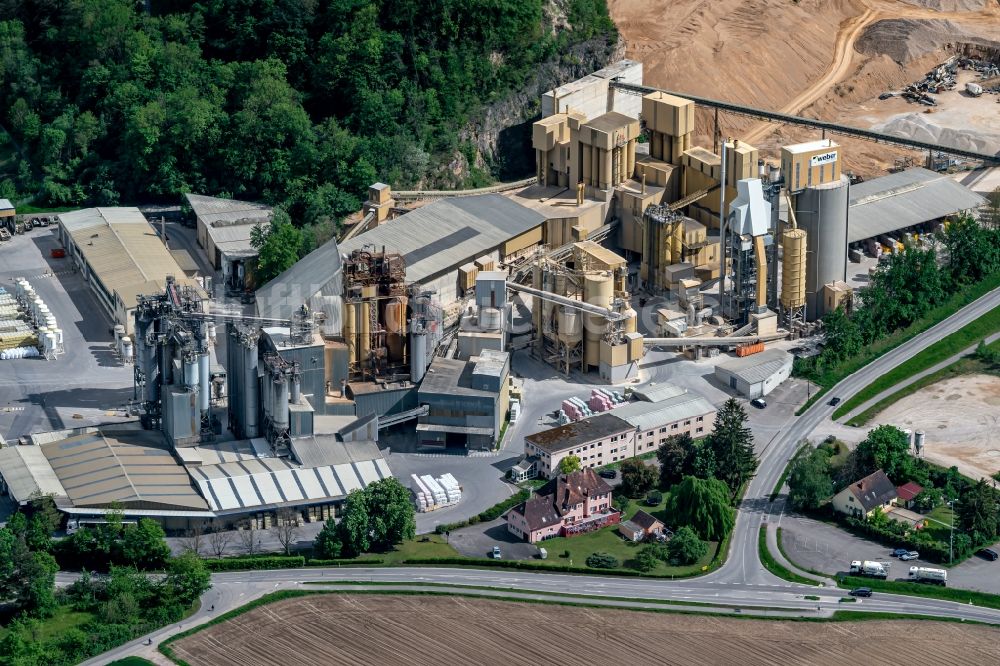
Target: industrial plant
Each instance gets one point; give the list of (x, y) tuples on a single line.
[(629, 238)]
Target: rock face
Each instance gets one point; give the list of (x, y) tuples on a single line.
[(905, 40), (501, 134)]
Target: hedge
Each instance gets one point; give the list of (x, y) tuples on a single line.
[(338, 563), (489, 514), (538, 566), (252, 563)]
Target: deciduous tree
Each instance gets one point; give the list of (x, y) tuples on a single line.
[(685, 547), (638, 478), (809, 480), (569, 464), (704, 505)]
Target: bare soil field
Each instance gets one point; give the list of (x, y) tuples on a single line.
[(389, 630), (827, 59), (960, 419)]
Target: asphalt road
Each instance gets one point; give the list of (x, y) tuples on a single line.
[(231, 590), (743, 564), (740, 582)]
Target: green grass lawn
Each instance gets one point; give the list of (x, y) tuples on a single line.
[(774, 566), (64, 618), (961, 339), (923, 590), (424, 545), (967, 365), (939, 523)]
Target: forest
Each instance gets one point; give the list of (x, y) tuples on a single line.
[(299, 103)]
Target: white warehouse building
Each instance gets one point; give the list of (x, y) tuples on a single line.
[(757, 375)]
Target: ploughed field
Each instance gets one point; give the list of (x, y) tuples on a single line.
[(380, 629)]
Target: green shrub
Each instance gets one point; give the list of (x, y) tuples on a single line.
[(602, 561), (654, 497), (342, 563), (254, 563), (489, 514)]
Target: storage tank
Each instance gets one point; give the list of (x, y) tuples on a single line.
[(204, 380), (126, 348), (918, 442), (191, 372), (793, 268), (279, 417), (656, 250), (119, 334), (570, 325), (59, 337), (631, 319), (418, 353), (364, 328), (822, 213), (350, 332), (394, 316), (50, 343), (597, 290), (251, 424)]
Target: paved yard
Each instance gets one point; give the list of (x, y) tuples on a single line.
[(823, 547), (478, 541)]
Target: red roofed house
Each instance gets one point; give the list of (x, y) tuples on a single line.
[(907, 493), (567, 505)]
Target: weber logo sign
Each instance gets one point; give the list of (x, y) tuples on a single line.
[(825, 158)]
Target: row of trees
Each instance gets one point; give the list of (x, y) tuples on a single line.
[(906, 287), (298, 103), (375, 518)]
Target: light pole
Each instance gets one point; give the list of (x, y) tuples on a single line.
[(951, 539)]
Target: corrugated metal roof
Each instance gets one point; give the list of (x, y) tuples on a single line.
[(448, 233), (315, 279), (134, 468), (28, 473), (123, 249), (215, 209), (659, 393), (266, 482), (5, 204), (757, 367), (644, 415), (905, 199), (319, 450)]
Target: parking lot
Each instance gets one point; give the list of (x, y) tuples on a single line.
[(479, 540), (823, 547), (86, 384)]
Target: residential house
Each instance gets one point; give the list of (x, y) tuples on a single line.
[(567, 505), (651, 525), (861, 498)]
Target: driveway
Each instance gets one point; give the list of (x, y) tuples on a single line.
[(828, 549), (478, 541)]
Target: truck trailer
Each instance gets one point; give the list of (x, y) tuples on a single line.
[(929, 575), (870, 568)]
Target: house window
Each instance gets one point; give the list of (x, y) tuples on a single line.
[(701, 429), (700, 419), (663, 429), (614, 438), (673, 426), (688, 422)]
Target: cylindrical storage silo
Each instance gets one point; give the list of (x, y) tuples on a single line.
[(126, 349), (631, 321), (50, 343), (598, 290), (119, 334), (793, 268), (266, 398), (364, 329), (560, 284), (59, 337), (191, 372), (296, 384), (204, 381), (918, 442), (570, 325), (821, 212), (350, 333), (395, 325), (418, 355), (251, 395), (279, 416)]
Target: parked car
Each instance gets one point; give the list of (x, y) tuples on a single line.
[(911, 555), (834, 402), (988, 554), (607, 473), (861, 592), (899, 552), (496, 552), (759, 403)]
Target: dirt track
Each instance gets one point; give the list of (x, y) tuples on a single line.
[(409, 631)]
